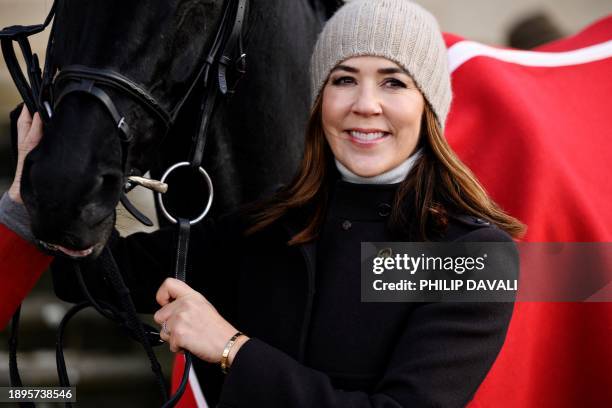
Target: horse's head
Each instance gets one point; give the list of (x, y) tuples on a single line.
[(73, 180)]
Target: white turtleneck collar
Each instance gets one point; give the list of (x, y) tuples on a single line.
[(393, 176)]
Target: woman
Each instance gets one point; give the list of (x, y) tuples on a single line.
[(286, 272)]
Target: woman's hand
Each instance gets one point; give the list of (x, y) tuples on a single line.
[(192, 323), (29, 133)]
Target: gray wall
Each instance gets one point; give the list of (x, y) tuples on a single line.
[(488, 20)]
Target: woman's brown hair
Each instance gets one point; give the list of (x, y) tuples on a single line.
[(438, 186)]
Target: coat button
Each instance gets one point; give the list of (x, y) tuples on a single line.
[(346, 225), (384, 209), (481, 221)]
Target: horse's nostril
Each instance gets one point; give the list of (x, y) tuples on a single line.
[(101, 200), (104, 188)]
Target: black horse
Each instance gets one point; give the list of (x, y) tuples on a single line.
[(73, 180)]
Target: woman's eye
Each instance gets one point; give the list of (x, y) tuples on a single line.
[(394, 83), (343, 80)]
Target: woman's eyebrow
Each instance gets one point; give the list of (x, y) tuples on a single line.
[(347, 68), (382, 71), (392, 70)]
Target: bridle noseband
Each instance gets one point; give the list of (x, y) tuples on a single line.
[(79, 78)]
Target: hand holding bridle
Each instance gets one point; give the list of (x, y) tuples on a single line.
[(190, 322), (29, 133)]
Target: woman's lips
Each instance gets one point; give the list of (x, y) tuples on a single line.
[(367, 137)]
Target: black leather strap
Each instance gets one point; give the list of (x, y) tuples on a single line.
[(180, 273), (15, 378), (18, 78), (208, 104), (182, 249), (32, 64), (133, 322), (228, 41), (134, 211), (115, 80), (30, 92), (88, 86), (233, 52)]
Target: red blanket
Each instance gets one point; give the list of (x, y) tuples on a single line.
[(536, 128), (17, 254)]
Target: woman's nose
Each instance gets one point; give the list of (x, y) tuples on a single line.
[(366, 102)]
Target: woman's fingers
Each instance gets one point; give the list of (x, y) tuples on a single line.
[(29, 133), (185, 316), (161, 315), (165, 331), (165, 313), (167, 335), (24, 122), (171, 289), (34, 134)]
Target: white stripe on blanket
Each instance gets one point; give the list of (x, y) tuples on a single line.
[(194, 385), (463, 51)]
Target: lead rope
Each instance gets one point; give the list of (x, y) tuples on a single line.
[(132, 319), (13, 369), (128, 319)]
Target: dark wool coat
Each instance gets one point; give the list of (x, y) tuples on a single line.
[(313, 343)]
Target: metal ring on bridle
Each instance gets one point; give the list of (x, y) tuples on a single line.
[(210, 196)]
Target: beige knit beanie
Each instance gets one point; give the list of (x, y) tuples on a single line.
[(398, 30)]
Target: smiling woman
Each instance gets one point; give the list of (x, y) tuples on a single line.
[(376, 168), (381, 93)]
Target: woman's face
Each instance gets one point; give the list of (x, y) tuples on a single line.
[(371, 114)]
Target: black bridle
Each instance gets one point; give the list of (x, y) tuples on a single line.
[(44, 91)]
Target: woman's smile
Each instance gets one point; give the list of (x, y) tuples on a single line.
[(367, 137)]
